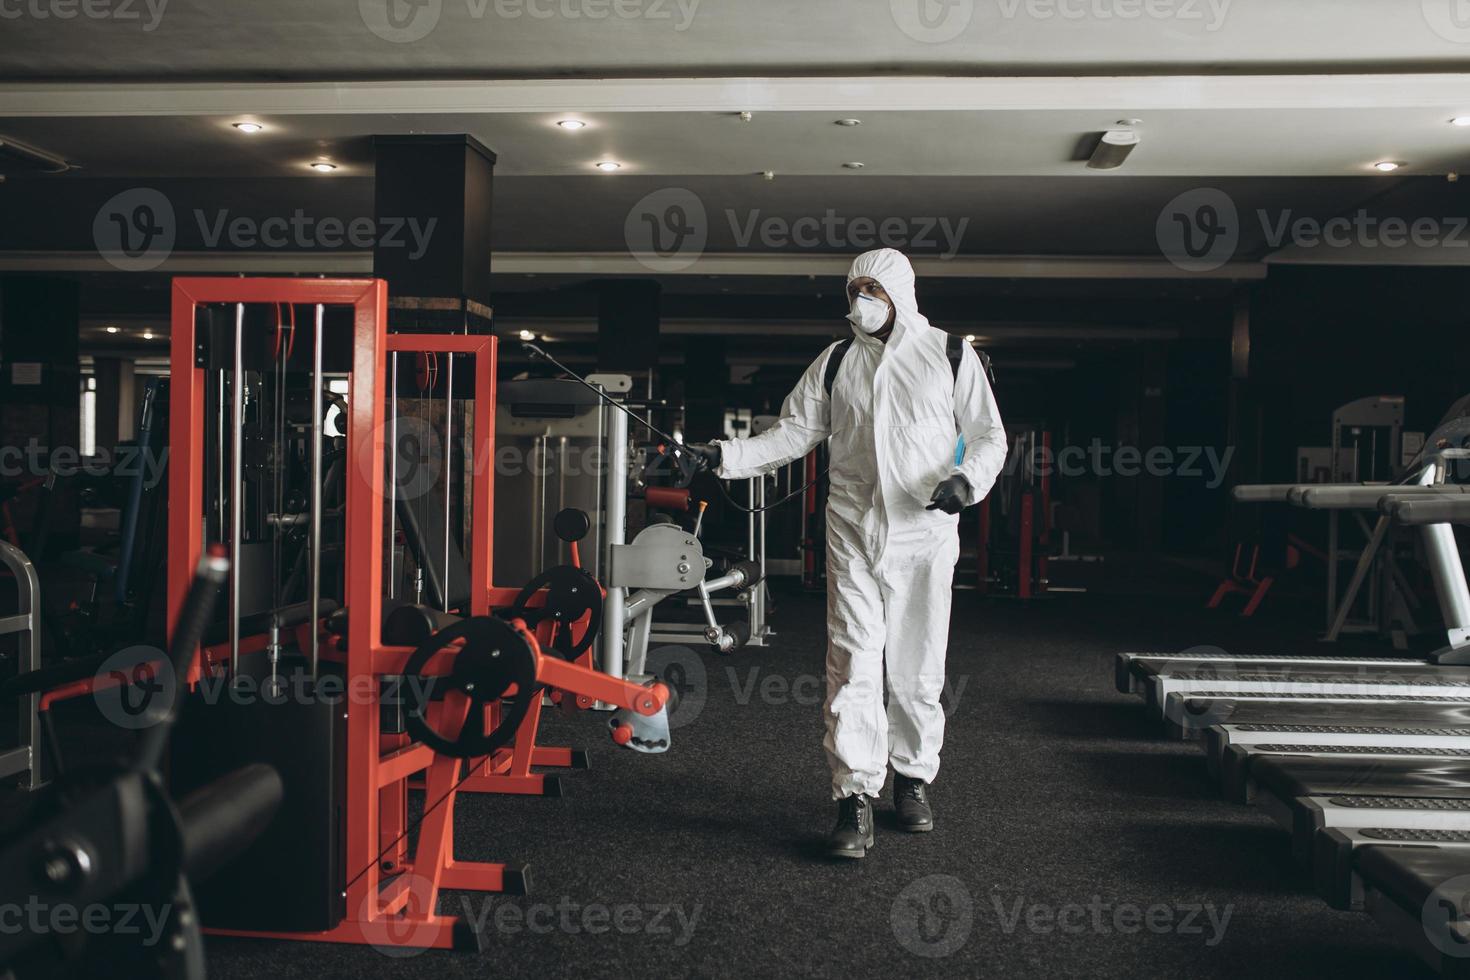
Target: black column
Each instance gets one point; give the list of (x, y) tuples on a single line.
[(627, 325), (438, 274), (40, 395)]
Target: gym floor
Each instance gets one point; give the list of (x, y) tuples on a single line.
[(1070, 839)]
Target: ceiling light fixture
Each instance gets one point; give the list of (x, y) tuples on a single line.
[(1460, 121), (110, 329), (608, 166), (572, 124), (969, 338), (854, 165), (322, 167), (147, 334), (1387, 166), (1113, 149), (249, 127), (849, 122), (527, 335)]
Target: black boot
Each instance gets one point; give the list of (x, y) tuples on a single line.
[(911, 800), (853, 834)]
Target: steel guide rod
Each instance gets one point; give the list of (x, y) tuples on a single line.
[(316, 486), (448, 474), (237, 421)]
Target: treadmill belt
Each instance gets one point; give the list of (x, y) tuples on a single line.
[(1289, 776), (1398, 803)]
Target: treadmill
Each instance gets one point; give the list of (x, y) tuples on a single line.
[(1158, 678), (1430, 728)]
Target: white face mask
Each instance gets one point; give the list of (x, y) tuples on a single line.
[(869, 314)]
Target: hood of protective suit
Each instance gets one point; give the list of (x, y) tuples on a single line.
[(896, 275)]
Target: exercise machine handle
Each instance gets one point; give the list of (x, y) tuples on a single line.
[(221, 819)]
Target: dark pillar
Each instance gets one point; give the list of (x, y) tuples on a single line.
[(436, 192), (627, 326), (39, 387), (706, 387)]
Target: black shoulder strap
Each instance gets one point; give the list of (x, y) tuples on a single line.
[(956, 348), (833, 363)]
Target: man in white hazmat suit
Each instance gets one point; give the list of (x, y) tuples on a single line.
[(896, 404)]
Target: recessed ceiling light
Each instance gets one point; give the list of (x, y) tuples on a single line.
[(1460, 121), (249, 127), (527, 335), (572, 124), (1387, 166), (322, 167), (849, 122), (147, 334), (969, 338), (854, 165), (110, 329), (608, 166)]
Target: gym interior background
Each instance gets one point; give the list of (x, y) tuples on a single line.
[(258, 261)]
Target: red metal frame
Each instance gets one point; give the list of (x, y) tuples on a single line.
[(401, 911)]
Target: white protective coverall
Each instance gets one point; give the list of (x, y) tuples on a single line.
[(893, 417)]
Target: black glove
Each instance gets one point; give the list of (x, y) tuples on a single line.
[(707, 453), (950, 495)]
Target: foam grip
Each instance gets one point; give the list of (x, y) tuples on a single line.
[(751, 571), (737, 634), (667, 498), (222, 819)]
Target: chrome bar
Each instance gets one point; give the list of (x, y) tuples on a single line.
[(28, 595), (316, 487), (392, 474), (448, 472), (237, 421), (617, 530)]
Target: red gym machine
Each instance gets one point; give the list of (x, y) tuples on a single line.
[(468, 692)]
